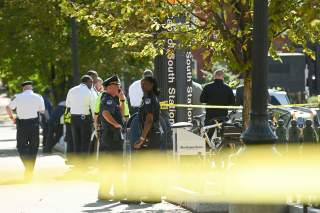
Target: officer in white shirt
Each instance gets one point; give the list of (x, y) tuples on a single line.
[(94, 75), (79, 103), (136, 93), (27, 105)]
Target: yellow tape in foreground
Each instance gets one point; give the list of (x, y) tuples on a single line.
[(166, 105)]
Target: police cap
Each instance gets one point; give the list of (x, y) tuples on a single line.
[(147, 73), (112, 80), (26, 83)]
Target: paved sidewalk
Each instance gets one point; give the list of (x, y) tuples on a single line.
[(48, 192)]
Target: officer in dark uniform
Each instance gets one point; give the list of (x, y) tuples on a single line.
[(27, 105), (149, 113), (309, 133), (294, 133), (111, 145), (281, 132)]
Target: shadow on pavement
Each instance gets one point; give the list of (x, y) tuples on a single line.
[(8, 152), (137, 207), (109, 205), (7, 140)]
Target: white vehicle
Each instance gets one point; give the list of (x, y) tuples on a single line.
[(301, 114), (278, 97)]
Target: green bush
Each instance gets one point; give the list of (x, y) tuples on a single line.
[(312, 99)]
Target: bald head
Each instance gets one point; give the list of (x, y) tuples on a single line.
[(27, 87), (219, 74)]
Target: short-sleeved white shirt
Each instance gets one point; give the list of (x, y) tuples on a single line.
[(135, 93), (80, 100), (27, 104)]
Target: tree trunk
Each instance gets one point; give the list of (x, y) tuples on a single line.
[(246, 100)]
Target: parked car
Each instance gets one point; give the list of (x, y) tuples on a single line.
[(301, 114)]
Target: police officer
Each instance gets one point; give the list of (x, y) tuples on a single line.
[(135, 92), (80, 104), (111, 144), (27, 105), (294, 133), (281, 132), (149, 113), (309, 133)]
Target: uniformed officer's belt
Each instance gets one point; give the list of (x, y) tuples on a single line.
[(83, 117)]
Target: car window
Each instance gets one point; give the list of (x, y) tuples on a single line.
[(279, 99), (274, 101)]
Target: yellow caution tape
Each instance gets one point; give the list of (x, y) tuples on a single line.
[(293, 105), (166, 105)]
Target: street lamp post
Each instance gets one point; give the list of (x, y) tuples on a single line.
[(74, 52), (259, 131), (317, 67)]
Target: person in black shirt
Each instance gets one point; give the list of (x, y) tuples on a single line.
[(149, 113), (55, 127), (150, 140), (111, 144), (217, 93)]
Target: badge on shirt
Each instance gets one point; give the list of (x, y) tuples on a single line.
[(109, 102), (147, 101)]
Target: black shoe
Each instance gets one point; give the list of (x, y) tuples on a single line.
[(130, 202)]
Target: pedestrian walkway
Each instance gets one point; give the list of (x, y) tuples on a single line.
[(49, 191)]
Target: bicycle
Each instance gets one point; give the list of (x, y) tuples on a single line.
[(221, 136)]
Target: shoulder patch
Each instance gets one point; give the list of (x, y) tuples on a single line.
[(109, 102), (147, 101)]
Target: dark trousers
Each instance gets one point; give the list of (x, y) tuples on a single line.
[(110, 141), (45, 130), (111, 164), (28, 141), (81, 127), (55, 132), (68, 139)]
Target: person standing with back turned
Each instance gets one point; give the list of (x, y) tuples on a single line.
[(79, 103), (27, 105), (217, 93)]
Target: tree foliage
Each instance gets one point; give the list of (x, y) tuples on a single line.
[(35, 44), (222, 27)]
